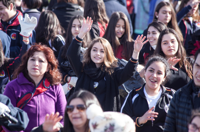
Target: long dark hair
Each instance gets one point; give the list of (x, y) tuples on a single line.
[(69, 36), (48, 27), (88, 99), (157, 25), (173, 22), (96, 10), (181, 53), (110, 35)]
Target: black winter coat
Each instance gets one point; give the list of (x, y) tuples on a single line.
[(65, 11), (136, 105), (19, 114), (186, 27), (183, 102), (107, 90)]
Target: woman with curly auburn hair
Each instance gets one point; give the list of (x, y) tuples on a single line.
[(36, 86)]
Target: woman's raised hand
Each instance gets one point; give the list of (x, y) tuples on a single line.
[(86, 26), (139, 42), (149, 115), (50, 123), (172, 61), (192, 3)]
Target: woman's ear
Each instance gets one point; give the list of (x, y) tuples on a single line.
[(11, 6), (156, 15), (164, 79)]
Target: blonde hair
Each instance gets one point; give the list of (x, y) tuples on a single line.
[(109, 62)]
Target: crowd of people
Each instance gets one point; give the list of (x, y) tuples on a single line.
[(72, 66)]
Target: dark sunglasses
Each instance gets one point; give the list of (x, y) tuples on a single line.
[(80, 107)]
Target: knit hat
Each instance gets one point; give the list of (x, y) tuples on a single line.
[(100, 121)]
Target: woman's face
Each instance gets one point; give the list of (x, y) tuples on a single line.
[(154, 75), (37, 65), (76, 26), (120, 28), (77, 117), (152, 35), (164, 15), (97, 54), (194, 126), (194, 8), (169, 45)]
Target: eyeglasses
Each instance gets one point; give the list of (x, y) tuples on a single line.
[(194, 128), (80, 107)]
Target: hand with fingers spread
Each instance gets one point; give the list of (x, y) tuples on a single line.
[(172, 61), (27, 25), (149, 115), (86, 26), (193, 3), (50, 123), (139, 42)]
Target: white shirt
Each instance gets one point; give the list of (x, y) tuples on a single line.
[(152, 100)]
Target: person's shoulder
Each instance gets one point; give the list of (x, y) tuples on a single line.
[(12, 83), (3, 98), (169, 91), (56, 86)]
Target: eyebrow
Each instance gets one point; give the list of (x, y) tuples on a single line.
[(97, 48), (154, 69), (166, 10), (164, 41), (151, 68)]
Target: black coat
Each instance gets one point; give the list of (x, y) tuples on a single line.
[(7, 69), (136, 105), (186, 27), (32, 13), (146, 52), (107, 90), (19, 114), (180, 108), (65, 67), (178, 79), (65, 11)]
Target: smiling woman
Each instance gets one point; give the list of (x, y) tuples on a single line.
[(148, 105), (170, 47), (153, 32), (118, 35), (37, 84), (99, 72)]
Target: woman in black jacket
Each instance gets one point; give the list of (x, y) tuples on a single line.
[(49, 32), (98, 72), (170, 47), (64, 65), (148, 105), (153, 32)]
